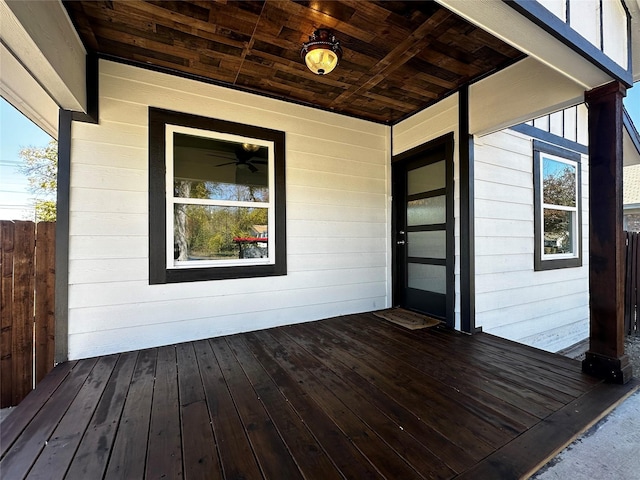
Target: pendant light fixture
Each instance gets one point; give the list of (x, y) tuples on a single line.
[(322, 52)]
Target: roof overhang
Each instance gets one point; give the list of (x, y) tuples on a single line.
[(43, 61), (548, 39)]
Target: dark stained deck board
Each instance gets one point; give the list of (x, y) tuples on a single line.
[(470, 389), (14, 425), (526, 454), (164, 446), (393, 433), (488, 389), (236, 457), (441, 404), (490, 359), (60, 449), (270, 451), (450, 454), (349, 460), (368, 441), (128, 455), (90, 460), (200, 454), (512, 387), (349, 397), (25, 451), (312, 460)]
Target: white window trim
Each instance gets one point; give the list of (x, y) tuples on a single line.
[(171, 200)]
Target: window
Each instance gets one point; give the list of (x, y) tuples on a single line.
[(216, 199), (557, 202)]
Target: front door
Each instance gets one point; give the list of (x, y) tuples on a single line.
[(423, 229)]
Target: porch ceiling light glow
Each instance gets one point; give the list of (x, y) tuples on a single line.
[(322, 52)]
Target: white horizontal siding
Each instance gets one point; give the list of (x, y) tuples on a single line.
[(337, 220), (546, 309)]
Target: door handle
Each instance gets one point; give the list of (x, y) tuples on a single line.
[(401, 242)]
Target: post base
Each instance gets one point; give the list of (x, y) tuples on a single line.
[(612, 370)]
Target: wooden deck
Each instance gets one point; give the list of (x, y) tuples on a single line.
[(352, 397)]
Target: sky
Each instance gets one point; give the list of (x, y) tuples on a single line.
[(17, 132)]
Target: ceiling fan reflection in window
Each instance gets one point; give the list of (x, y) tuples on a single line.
[(248, 155)]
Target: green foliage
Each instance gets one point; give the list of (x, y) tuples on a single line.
[(40, 166), (45, 210)]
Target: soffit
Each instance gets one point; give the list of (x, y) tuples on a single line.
[(399, 57)]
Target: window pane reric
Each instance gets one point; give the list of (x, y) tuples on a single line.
[(558, 231), (219, 170), (559, 183), (219, 233)]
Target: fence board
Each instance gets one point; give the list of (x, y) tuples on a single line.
[(27, 296), (632, 279), (6, 315), (23, 296), (45, 298)]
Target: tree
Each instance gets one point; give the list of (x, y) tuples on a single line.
[(40, 166)]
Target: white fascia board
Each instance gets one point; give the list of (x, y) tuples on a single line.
[(505, 23), (41, 36), (523, 91), (19, 88)]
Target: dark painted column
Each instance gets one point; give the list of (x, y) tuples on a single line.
[(606, 358)]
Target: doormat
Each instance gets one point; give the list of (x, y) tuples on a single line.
[(406, 318)]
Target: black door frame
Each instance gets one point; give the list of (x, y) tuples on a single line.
[(444, 146)]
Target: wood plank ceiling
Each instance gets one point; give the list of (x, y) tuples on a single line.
[(399, 57)]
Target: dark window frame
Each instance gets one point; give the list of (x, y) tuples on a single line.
[(159, 273), (540, 148)]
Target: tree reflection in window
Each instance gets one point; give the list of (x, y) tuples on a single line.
[(559, 193)]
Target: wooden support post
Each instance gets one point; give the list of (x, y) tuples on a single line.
[(606, 358)]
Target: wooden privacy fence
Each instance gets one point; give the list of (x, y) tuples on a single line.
[(27, 265), (632, 284)]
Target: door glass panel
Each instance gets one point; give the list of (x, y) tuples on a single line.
[(427, 178), (432, 278), (427, 244), (427, 211)]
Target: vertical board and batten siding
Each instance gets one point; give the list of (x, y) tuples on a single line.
[(545, 309), (602, 23), (337, 220), (570, 123), (435, 122)]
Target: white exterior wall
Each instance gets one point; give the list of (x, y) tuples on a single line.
[(338, 210), (434, 122), (545, 309)]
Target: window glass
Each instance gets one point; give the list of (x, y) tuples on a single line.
[(219, 170), (220, 202), (427, 178), (427, 211), (558, 231), (559, 198), (203, 232), (559, 182)]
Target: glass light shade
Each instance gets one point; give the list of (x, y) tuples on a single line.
[(321, 60), (322, 52)]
